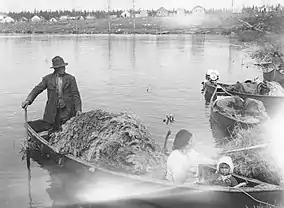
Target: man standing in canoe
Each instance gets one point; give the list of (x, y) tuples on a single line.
[(63, 97)]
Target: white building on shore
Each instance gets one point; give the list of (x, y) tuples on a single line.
[(6, 19), (35, 19), (2, 16)]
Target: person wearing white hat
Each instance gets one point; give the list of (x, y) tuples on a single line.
[(223, 175), (212, 76)]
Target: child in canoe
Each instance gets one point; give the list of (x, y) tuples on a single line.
[(223, 175), (183, 161)]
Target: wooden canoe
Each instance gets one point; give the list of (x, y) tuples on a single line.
[(208, 89), (151, 192), (274, 75), (226, 122), (272, 104)]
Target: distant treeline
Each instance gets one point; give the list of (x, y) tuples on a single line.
[(100, 14), (73, 13)]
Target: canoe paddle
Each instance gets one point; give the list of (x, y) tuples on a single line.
[(30, 188), (28, 155), (165, 150)]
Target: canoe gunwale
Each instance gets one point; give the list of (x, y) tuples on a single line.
[(190, 186), (248, 94)]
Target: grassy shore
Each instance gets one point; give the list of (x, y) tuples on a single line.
[(209, 23), (245, 26)]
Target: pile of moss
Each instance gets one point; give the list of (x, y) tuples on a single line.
[(249, 111), (116, 140), (257, 163)]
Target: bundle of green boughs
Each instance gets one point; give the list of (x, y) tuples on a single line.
[(117, 140), (257, 163)]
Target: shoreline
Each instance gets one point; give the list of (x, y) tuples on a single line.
[(205, 24)]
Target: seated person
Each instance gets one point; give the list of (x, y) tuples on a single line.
[(183, 161), (223, 175)]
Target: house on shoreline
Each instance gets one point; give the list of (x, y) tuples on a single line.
[(162, 12), (143, 13), (198, 10), (125, 14), (2, 16), (90, 17), (53, 19), (180, 12), (6, 19), (23, 19), (36, 19)]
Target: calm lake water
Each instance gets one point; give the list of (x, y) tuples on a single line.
[(113, 73)]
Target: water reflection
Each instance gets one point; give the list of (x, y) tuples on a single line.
[(230, 61), (181, 43), (133, 51), (197, 46), (159, 41), (30, 188), (76, 47), (60, 183), (109, 51)]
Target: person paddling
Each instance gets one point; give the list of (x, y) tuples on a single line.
[(63, 97), (183, 161)]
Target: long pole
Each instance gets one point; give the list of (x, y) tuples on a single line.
[(108, 14), (28, 157), (133, 16), (260, 146), (27, 140), (30, 189)]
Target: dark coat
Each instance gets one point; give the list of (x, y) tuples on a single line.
[(217, 180), (70, 94)]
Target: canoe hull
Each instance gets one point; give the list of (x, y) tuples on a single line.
[(274, 75), (272, 104), (156, 194), (226, 123), (209, 89)]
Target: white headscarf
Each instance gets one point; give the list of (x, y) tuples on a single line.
[(228, 161), (213, 74)]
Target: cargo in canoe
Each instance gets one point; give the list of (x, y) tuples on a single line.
[(230, 111), (272, 104), (151, 192)]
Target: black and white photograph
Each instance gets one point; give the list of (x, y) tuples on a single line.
[(142, 104)]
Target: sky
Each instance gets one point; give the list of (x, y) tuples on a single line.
[(20, 5)]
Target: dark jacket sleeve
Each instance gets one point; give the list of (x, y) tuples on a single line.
[(37, 90), (76, 95)]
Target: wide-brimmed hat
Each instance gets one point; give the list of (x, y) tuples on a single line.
[(182, 139), (57, 62)]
